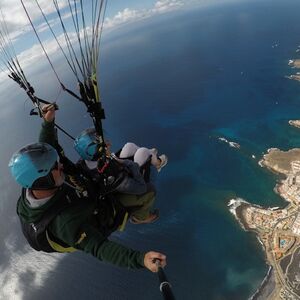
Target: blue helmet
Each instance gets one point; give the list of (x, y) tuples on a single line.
[(33, 162), (87, 144)]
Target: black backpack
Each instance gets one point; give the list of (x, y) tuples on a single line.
[(35, 233)]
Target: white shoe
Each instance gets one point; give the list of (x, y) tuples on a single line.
[(163, 161)]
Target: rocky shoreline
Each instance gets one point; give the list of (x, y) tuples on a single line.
[(295, 123), (263, 221), (237, 206)]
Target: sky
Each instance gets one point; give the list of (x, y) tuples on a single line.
[(13, 19), (118, 13)]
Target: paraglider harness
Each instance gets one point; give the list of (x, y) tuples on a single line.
[(41, 239), (79, 185), (82, 185), (36, 233)]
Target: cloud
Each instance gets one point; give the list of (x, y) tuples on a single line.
[(36, 57), (32, 266), (14, 13), (35, 53), (130, 15), (18, 23), (16, 19), (53, 22), (167, 5)]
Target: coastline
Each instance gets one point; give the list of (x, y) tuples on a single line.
[(295, 64), (267, 286), (277, 228)]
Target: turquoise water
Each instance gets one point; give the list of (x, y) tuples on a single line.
[(178, 82)]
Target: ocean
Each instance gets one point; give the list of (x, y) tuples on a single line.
[(178, 82)]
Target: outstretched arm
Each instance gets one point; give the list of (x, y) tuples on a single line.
[(90, 240), (121, 256), (48, 132)]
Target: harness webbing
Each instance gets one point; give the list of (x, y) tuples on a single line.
[(57, 247)]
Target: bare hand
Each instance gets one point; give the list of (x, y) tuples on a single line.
[(108, 147), (48, 111), (150, 260)]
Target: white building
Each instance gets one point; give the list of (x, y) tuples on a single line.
[(295, 166)]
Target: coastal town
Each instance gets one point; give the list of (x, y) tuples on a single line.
[(278, 229)]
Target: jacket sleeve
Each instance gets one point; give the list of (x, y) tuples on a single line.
[(110, 251), (134, 183), (48, 134), (90, 240)]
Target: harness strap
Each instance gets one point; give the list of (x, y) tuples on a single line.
[(122, 226), (57, 247)]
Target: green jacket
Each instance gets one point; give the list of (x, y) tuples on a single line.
[(77, 225), (48, 134)]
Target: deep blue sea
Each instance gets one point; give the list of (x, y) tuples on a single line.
[(177, 82)]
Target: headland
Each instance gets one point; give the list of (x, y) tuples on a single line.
[(294, 63)]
